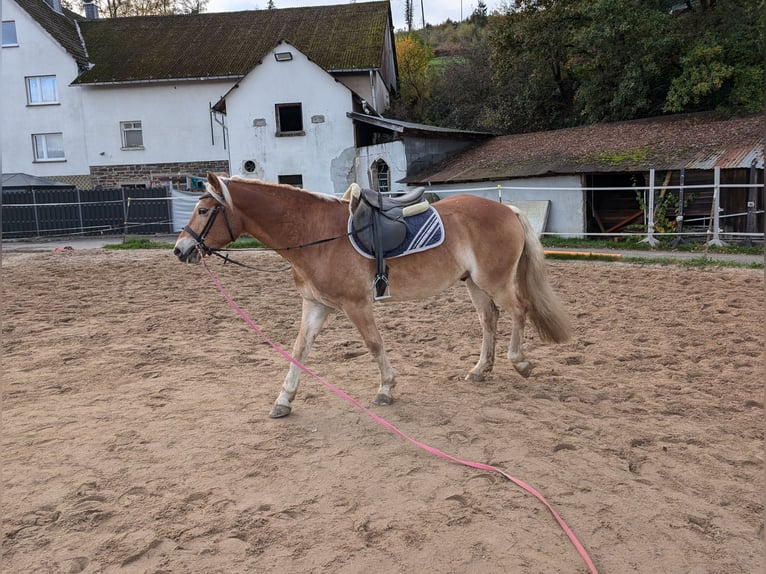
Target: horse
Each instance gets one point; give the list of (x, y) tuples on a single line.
[(491, 247)]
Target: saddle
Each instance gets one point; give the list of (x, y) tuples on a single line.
[(378, 225)]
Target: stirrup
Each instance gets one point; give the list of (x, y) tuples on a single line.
[(380, 288)]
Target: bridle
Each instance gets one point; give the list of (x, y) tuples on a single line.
[(199, 239), (204, 249)]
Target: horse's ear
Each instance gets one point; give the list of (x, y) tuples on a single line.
[(214, 182)]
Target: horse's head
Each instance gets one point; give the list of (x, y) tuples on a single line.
[(213, 223)]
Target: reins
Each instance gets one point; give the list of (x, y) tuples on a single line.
[(204, 249)]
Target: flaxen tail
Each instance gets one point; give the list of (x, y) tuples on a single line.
[(545, 309)]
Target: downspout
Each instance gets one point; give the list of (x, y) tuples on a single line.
[(372, 90)]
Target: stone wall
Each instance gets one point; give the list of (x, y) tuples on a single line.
[(150, 175)]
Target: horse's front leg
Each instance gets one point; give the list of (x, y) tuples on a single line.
[(313, 318), (362, 317)]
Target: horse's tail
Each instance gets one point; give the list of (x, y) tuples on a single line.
[(544, 308)]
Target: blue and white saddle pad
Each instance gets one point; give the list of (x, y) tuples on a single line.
[(424, 231)]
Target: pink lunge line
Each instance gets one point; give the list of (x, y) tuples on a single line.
[(383, 422)]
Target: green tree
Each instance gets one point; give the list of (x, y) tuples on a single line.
[(622, 58), (721, 65), (412, 58), (120, 8), (532, 53)]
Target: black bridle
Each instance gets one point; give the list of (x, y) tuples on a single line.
[(199, 239)]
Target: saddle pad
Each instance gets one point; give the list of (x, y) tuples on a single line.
[(424, 231)]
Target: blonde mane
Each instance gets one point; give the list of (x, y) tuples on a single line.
[(253, 181)]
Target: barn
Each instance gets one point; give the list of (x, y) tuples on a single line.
[(596, 179)]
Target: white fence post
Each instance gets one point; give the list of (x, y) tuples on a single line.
[(650, 239), (716, 210)]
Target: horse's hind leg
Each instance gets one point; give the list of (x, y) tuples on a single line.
[(313, 318), (488, 314), (518, 311), (362, 317), (507, 298)]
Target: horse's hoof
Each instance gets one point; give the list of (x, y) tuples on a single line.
[(382, 400), (524, 368), (475, 377), (279, 411)]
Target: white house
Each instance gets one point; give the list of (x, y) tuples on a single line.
[(43, 133), (295, 132), (132, 102)]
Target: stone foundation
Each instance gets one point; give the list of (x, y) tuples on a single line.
[(151, 174)]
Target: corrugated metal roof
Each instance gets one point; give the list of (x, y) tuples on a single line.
[(729, 158), (25, 180)]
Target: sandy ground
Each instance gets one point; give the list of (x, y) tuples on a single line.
[(135, 435)]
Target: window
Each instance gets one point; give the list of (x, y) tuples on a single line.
[(289, 120), (382, 176), (294, 180), (48, 147), (132, 135), (9, 34), (42, 90)]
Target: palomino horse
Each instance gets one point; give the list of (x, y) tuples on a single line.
[(489, 246)]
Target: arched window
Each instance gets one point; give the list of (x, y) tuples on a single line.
[(382, 176)]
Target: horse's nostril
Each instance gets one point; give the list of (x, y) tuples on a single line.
[(177, 252)]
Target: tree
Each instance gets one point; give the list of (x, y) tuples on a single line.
[(408, 14), (120, 8), (479, 14), (721, 66), (622, 59), (532, 57), (412, 57)]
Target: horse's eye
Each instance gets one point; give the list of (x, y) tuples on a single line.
[(202, 211)]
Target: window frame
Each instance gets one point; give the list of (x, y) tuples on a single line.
[(131, 126), (15, 34), (40, 143), (36, 84), (294, 179), (279, 118), (382, 176)]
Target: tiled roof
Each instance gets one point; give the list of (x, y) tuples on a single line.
[(229, 44), (61, 26), (692, 141)]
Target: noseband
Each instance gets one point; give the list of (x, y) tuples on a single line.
[(199, 239)]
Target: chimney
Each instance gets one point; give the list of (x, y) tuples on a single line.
[(91, 10)]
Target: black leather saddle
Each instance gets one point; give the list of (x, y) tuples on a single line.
[(378, 225)]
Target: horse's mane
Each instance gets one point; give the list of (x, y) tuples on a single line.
[(252, 181)]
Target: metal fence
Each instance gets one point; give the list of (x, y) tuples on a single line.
[(40, 212)]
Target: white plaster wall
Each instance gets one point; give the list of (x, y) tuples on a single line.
[(567, 214), (374, 91), (38, 55), (324, 156), (175, 121), (392, 153)]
